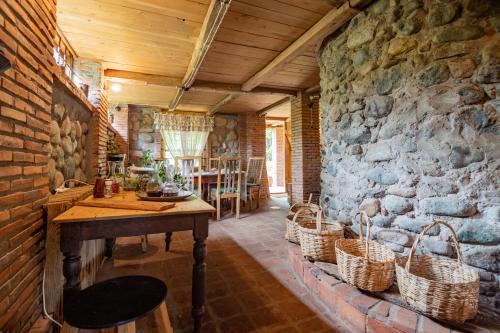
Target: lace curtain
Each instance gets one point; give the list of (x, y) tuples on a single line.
[(184, 135)]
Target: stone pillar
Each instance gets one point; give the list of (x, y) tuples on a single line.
[(306, 157), (253, 144)]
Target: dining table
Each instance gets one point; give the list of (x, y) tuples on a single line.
[(80, 223)]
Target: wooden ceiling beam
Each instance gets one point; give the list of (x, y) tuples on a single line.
[(202, 86), (226, 100), (332, 21), (213, 19), (264, 111)]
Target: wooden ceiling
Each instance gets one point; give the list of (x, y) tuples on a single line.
[(160, 37)]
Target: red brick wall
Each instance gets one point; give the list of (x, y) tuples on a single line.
[(26, 31), (253, 143), (306, 155)]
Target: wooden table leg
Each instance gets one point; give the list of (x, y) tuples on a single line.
[(110, 244), (168, 240), (70, 247), (200, 233)]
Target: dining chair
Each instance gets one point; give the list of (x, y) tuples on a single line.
[(213, 162), (228, 184), (189, 167), (254, 175)]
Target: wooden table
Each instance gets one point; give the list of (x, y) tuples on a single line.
[(81, 223)]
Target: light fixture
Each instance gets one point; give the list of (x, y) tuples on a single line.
[(116, 87), (4, 62)]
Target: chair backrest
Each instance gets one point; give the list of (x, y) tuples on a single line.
[(213, 163), (254, 170), (229, 174), (190, 168)]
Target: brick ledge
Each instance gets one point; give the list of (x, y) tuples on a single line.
[(361, 312)]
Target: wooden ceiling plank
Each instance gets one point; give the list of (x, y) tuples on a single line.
[(273, 106), (213, 20), (281, 7), (226, 100), (330, 22)]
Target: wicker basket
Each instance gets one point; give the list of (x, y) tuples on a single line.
[(308, 205), (365, 264), (292, 222), (442, 288), (317, 238)]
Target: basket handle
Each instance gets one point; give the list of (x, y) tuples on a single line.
[(298, 212), (427, 228), (368, 228), (310, 198), (319, 215)]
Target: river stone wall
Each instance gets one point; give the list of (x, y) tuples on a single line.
[(410, 103), (70, 139), (224, 139)]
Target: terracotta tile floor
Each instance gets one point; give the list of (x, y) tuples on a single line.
[(250, 285)]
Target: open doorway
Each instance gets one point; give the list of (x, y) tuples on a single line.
[(276, 155)]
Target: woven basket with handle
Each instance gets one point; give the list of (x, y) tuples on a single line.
[(317, 238), (292, 224), (305, 210), (442, 288), (365, 264)]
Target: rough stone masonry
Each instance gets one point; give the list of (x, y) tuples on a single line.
[(410, 107)]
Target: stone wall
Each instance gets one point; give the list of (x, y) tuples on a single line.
[(410, 100), (142, 135), (70, 139), (224, 139)]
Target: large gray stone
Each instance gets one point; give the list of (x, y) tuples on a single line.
[(434, 74), (78, 130), (458, 33), (67, 145), (371, 206), (437, 246), (462, 156), (447, 206), (359, 57), (479, 232), (416, 225), (359, 135), (66, 127), (379, 106), (387, 81), (470, 94), (435, 187), (397, 205), (395, 236), (382, 221), (69, 168), (380, 151), (487, 74), (402, 191), (379, 175), (401, 45), (362, 34), (391, 128), (59, 111), (441, 13), (485, 257), (58, 179)]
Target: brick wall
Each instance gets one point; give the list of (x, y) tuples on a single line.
[(120, 125), (26, 32), (253, 144), (306, 158)]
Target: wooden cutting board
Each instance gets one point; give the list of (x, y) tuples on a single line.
[(124, 204)]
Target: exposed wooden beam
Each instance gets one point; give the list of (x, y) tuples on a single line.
[(332, 21), (204, 86), (264, 111), (213, 19), (313, 89), (161, 80), (226, 100)]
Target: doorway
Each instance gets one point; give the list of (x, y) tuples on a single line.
[(276, 156)]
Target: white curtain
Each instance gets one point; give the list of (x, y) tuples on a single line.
[(184, 135)]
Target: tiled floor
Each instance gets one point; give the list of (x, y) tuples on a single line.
[(250, 285)]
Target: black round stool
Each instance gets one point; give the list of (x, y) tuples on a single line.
[(118, 303)]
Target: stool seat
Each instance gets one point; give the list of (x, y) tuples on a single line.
[(115, 302)]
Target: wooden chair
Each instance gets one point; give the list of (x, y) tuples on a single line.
[(228, 183), (190, 168), (116, 304), (254, 175), (213, 162)]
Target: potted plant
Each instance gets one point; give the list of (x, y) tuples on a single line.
[(113, 151)]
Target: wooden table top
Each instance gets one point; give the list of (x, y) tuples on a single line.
[(192, 205)]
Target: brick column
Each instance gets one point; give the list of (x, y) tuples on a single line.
[(253, 144), (306, 156)]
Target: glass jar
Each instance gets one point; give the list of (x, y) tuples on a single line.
[(154, 185), (116, 174)]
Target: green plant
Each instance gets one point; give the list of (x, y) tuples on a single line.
[(112, 147), (147, 158)]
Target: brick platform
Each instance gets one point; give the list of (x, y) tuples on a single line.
[(359, 311)]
